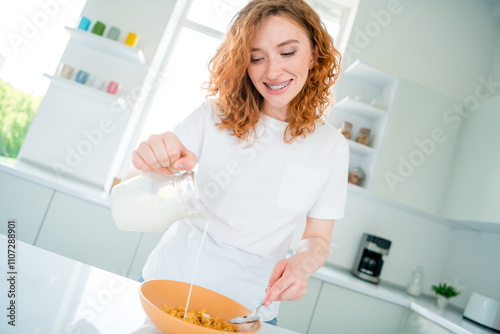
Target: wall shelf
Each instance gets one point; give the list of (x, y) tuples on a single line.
[(357, 189), (369, 74), (361, 108), (107, 45), (88, 148), (79, 88), (370, 84), (357, 148)]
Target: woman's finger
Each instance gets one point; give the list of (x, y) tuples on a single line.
[(138, 163), (172, 146), (147, 154), (180, 157), (277, 289), (277, 273), (159, 150), (187, 159)]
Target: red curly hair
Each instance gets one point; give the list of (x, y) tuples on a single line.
[(240, 102)]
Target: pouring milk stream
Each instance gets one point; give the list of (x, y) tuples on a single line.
[(152, 202)]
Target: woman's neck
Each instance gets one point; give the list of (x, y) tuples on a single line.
[(277, 113)]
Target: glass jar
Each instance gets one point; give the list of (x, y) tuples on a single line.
[(346, 129), (153, 201), (360, 97), (416, 282), (356, 176), (364, 136)]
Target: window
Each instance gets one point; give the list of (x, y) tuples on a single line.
[(32, 43), (199, 32), (338, 17)]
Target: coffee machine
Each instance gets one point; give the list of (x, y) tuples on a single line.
[(368, 264)]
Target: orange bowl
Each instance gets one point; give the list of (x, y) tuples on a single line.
[(156, 293)]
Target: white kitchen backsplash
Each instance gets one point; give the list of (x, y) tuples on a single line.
[(415, 240)]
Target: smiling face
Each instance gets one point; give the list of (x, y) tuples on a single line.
[(281, 56)]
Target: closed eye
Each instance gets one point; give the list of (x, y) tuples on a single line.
[(288, 54)]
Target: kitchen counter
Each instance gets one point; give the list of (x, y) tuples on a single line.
[(450, 318), (54, 294), (52, 180)]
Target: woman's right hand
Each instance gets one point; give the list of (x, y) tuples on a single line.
[(163, 153)]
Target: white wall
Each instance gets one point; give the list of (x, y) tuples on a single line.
[(477, 197), (473, 261), (444, 45)]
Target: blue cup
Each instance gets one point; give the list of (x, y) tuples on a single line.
[(84, 23), (82, 77)]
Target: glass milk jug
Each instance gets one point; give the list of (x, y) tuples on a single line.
[(153, 201)]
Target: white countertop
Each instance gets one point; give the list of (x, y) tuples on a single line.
[(52, 180), (54, 294), (450, 318)]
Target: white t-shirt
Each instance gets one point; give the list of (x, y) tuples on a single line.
[(255, 197)]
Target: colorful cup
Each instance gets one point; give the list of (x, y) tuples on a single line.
[(66, 71), (132, 39), (114, 87), (98, 28), (82, 77), (97, 83), (84, 23), (113, 33)]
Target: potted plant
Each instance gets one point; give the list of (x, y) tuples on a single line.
[(444, 292)]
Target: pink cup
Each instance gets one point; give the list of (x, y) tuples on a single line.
[(114, 87)]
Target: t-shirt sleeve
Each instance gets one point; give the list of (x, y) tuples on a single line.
[(190, 131), (332, 199)]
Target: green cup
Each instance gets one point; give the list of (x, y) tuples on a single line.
[(98, 28)]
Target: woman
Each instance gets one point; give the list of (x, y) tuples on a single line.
[(266, 160)]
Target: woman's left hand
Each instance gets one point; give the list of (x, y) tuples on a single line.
[(288, 280)]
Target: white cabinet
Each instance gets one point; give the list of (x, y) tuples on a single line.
[(475, 186), (364, 98), (418, 152), (339, 310), (296, 315), (26, 203), (72, 227), (147, 243), (87, 233)]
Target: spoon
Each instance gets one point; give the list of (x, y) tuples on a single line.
[(248, 318)]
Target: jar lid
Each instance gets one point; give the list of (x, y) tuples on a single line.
[(359, 172), (364, 129), (347, 123)]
